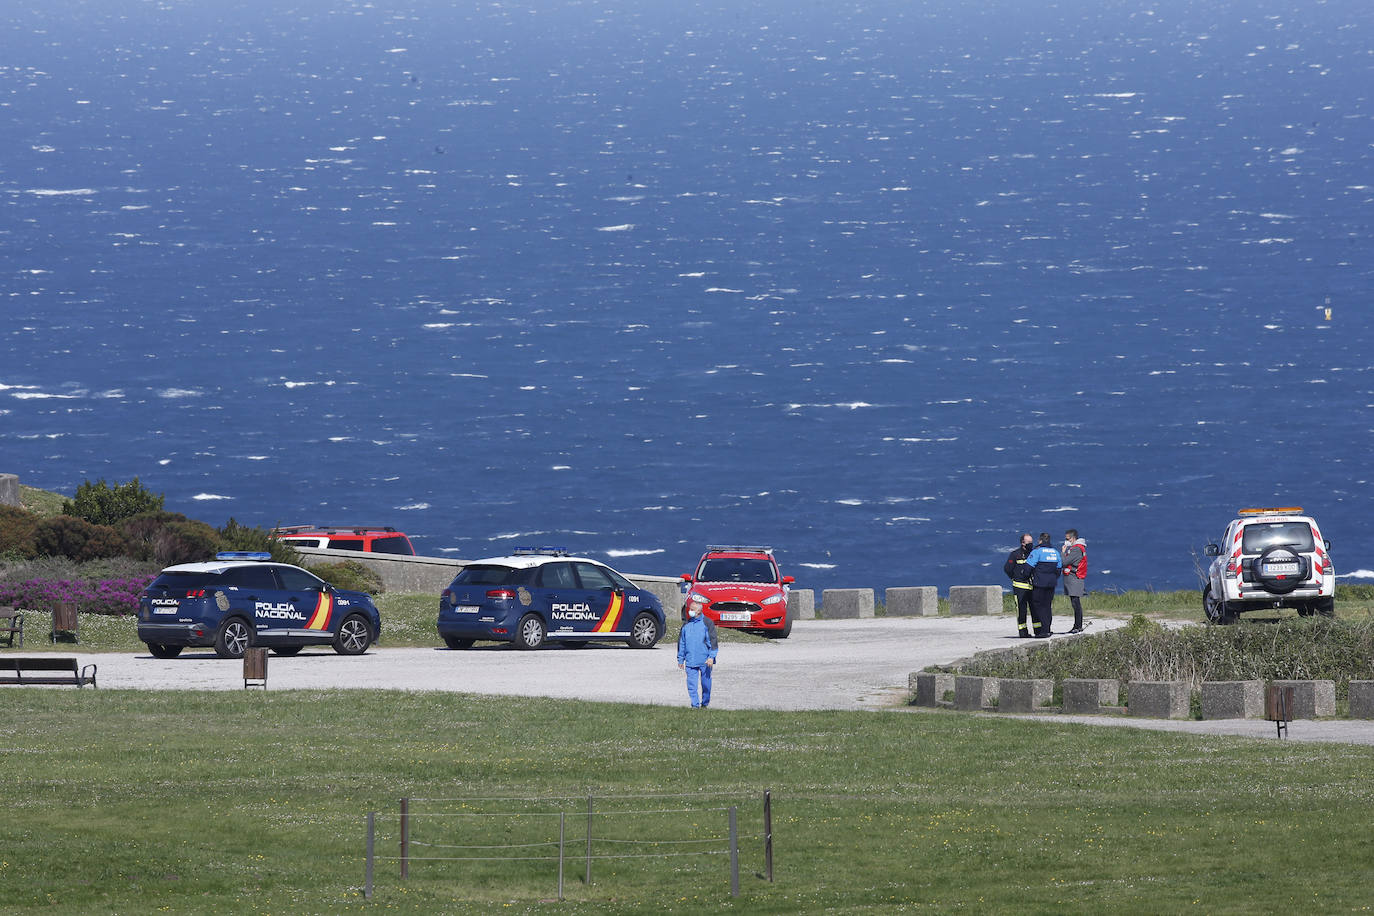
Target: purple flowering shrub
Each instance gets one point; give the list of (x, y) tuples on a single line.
[(115, 597)]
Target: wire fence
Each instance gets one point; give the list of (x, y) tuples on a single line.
[(428, 833)]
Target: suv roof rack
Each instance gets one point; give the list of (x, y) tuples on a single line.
[(1272, 510), (335, 529), (738, 548)]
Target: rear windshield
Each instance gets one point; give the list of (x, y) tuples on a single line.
[(397, 545), (490, 574), (178, 581), (736, 570), (1263, 535)]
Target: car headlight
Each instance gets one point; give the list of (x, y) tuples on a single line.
[(698, 598), (771, 599)]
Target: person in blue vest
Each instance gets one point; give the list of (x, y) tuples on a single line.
[(696, 654), (1048, 566)]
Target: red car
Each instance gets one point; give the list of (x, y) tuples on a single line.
[(362, 538), (740, 587)]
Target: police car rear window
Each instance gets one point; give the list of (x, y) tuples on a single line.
[(489, 574), (1263, 535), (179, 580)]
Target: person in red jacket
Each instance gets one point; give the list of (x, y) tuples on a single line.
[(1075, 553)]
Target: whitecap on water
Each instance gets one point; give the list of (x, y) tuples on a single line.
[(202, 497), (630, 552)]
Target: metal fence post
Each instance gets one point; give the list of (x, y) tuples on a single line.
[(560, 854), (405, 838), (734, 855), (768, 833), (371, 833), (588, 878)]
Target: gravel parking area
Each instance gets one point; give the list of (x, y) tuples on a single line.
[(824, 664)]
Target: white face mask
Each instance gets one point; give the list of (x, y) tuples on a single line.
[(693, 611)]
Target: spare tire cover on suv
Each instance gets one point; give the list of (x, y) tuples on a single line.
[(1282, 583)]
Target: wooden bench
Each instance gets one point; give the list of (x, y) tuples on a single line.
[(12, 625), (24, 671)]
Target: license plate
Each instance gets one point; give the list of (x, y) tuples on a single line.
[(1280, 569), (467, 608), (735, 616)]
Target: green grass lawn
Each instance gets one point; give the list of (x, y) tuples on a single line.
[(136, 802)]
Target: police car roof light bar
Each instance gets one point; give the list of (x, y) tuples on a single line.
[(243, 555), (541, 552), (738, 548)]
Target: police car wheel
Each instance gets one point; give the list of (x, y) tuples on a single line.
[(233, 639), (530, 633), (287, 651), (354, 636), (644, 632), (454, 642), (162, 651)]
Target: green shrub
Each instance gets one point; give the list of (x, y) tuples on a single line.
[(350, 574), (69, 536), (234, 536), (101, 504), (17, 532)]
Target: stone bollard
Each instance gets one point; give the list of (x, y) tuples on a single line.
[(846, 603), (974, 693), (1089, 694), (977, 600), (1362, 699), (930, 687), (1158, 699), (1024, 694), (1311, 699), (1232, 699), (9, 490), (801, 604), (922, 601)]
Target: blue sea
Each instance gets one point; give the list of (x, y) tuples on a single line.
[(880, 284)]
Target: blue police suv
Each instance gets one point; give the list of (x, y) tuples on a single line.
[(238, 600), (538, 596)]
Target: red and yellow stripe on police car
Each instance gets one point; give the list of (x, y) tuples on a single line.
[(612, 616), (323, 608)]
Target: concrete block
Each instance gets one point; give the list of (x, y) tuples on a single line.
[(922, 601), (974, 693), (1311, 699), (975, 600), (1089, 694), (1362, 699), (1024, 694), (1158, 699), (846, 603), (801, 604), (1232, 699), (9, 490), (930, 687)]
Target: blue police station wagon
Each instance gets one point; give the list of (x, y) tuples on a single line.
[(538, 596), (238, 600)]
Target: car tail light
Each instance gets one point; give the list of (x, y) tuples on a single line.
[(195, 593), (447, 596), (498, 594)]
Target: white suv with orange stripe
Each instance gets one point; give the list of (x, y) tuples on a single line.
[(540, 596), (237, 601), (1270, 558)]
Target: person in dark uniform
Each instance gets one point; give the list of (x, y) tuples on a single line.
[(1048, 567), (1020, 575)]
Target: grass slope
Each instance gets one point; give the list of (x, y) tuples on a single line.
[(124, 801)]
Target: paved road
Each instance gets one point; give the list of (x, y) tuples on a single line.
[(825, 664)]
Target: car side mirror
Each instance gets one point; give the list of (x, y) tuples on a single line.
[(686, 577), (1212, 550), (788, 580), (1328, 546)]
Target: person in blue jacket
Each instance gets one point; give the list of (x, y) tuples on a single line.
[(696, 654), (1047, 565)]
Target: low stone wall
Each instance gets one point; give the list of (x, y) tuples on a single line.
[(922, 601), (1024, 694), (1232, 699), (801, 604), (846, 603), (1084, 695), (977, 600), (1311, 699)]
